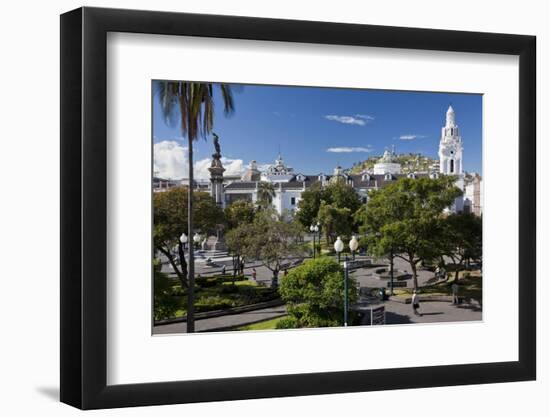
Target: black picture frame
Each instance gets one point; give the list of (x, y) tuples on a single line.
[(84, 207)]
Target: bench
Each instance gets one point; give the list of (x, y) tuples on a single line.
[(397, 284)]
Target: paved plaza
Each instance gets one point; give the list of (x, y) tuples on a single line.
[(396, 312)]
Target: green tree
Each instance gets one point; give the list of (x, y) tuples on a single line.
[(239, 212), (191, 106), (268, 238), (342, 195), (334, 221), (170, 221), (461, 239), (308, 206), (314, 293), (236, 240), (338, 195), (266, 194), (406, 217)]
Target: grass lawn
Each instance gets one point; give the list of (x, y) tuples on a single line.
[(262, 325)]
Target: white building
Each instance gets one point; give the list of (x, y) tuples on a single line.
[(450, 146), (387, 164)]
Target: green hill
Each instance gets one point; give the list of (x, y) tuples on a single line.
[(411, 162)]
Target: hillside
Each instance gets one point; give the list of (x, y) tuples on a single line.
[(409, 162)]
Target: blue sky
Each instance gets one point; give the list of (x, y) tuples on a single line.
[(314, 126)]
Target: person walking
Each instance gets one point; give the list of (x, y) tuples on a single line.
[(415, 303), (223, 270), (454, 291), (254, 274)]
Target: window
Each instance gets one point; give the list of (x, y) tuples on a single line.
[(452, 167), (292, 201), (364, 199)]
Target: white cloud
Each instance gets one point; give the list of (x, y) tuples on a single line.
[(365, 116), (358, 119), (349, 149), (232, 167), (411, 137), (170, 161)]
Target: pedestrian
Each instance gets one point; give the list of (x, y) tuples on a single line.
[(415, 303), (285, 272), (254, 274), (454, 291), (223, 270)]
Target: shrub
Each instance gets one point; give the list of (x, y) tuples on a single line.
[(288, 322), (206, 282), (165, 304), (213, 302), (314, 293)]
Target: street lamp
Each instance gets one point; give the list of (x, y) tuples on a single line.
[(353, 245), (314, 228), (346, 300), (183, 239), (338, 247)]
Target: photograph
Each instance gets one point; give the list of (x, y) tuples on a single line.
[(314, 207)]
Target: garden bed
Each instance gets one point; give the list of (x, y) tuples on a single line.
[(219, 293)]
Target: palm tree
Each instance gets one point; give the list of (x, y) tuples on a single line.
[(191, 105), (266, 194)]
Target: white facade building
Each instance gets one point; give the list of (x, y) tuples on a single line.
[(387, 164), (450, 146)]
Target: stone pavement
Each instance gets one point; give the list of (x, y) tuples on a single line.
[(222, 322), (432, 312)]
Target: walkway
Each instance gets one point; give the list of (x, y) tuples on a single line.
[(223, 322)]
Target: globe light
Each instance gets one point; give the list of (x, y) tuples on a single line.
[(353, 244), (196, 238), (338, 245), (316, 228), (311, 228), (183, 238)]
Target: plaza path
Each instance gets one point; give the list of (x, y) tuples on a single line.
[(432, 312), (223, 322)]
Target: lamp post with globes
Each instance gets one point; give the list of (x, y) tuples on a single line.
[(338, 247), (181, 252), (314, 228), (346, 295), (353, 245)]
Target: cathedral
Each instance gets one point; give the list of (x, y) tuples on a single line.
[(289, 184)]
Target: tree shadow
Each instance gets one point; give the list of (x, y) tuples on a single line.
[(472, 307), (435, 313), (394, 318)]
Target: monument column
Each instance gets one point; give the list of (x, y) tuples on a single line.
[(216, 175)]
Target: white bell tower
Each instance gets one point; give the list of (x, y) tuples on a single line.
[(450, 147)]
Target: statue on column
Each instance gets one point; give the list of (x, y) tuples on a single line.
[(216, 187), (216, 140)]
